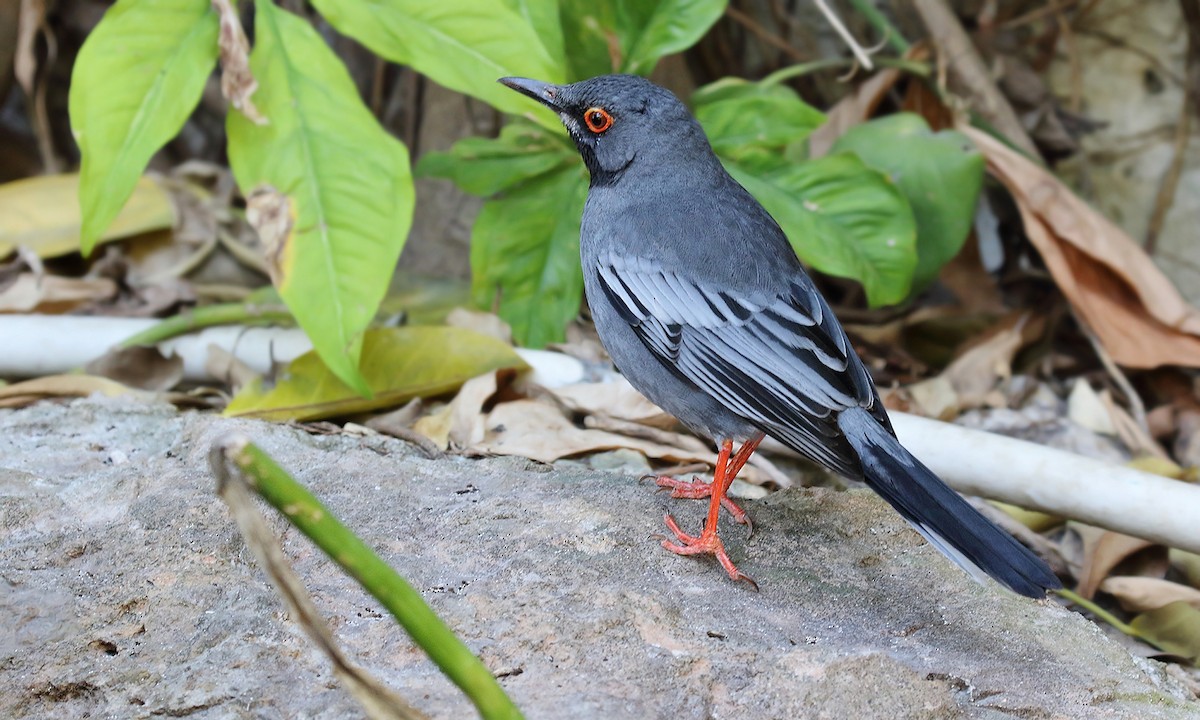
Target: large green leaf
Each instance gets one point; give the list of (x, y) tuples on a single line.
[(138, 76), (546, 20), (940, 174), (398, 363), (483, 166), (465, 45), (745, 121), (525, 244), (525, 254), (844, 219), (348, 182), (631, 35)]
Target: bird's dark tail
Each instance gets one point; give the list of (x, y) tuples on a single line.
[(946, 520)]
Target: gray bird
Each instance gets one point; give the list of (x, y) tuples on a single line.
[(704, 307)]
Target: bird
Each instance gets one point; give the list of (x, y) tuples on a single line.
[(704, 307)]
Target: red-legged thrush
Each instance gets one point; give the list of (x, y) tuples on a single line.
[(703, 305)]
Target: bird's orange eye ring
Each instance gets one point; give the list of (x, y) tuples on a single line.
[(597, 119)]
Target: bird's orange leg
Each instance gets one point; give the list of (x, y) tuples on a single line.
[(707, 543), (696, 488)]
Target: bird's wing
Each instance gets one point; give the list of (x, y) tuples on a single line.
[(781, 361)]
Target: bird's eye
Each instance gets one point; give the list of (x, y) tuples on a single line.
[(597, 119)]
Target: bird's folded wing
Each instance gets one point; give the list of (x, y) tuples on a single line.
[(781, 361)]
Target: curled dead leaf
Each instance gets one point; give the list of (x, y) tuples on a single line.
[(237, 82), (1106, 550), (1135, 311), (537, 430), (1139, 594), (52, 294), (141, 367), (615, 399), (460, 423), (52, 386), (272, 216), (484, 323)]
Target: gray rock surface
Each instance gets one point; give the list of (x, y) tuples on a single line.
[(127, 592)]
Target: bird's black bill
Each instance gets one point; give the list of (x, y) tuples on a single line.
[(545, 93)]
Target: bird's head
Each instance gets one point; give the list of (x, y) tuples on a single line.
[(619, 121)]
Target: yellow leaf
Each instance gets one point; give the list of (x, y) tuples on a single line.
[(25, 393), (42, 214), (1173, 628), (398, 365), (1139, 594)]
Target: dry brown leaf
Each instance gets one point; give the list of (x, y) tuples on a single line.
[(237, 82), (272, 216), (965, 276), (1135, 311), (615, 399), (229, 368), (461, 421), (1105, 550), (28, 392), (141, 367), (484, 323), (935, 398), (1135, 438), (1085, 408), (971, 380), (527, 428), (53, 295), (851, 110), (1139, 594)]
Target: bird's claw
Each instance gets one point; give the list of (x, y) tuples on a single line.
[(707, 543)]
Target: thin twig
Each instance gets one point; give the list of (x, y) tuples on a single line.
[(1075, 102), (763, 34), (969, 75), (1036, 14), (1136, 407), (879, 21), (847, 38), (1170, 182)]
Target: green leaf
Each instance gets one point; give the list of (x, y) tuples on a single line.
[(137, 78), (631, 35), (399, 364), (484, 166), (744, 119), (544, 18), (1173, 628), (465, 45), (35, 214), (844, 219), (525, 255), (666, 27), (348, 182), (940, 174)]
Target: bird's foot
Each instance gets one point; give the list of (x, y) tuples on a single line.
[(696, 489), (707, 543)]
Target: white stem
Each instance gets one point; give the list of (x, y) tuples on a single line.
[(971, 461), (841, 30), (1061, 483)]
